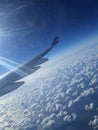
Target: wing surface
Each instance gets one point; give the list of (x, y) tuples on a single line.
[(28, 68)]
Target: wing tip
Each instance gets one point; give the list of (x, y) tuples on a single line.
[(55, 41)]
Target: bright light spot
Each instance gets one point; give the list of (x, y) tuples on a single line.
[(11, 65)]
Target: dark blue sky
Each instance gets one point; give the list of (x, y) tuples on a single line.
[(28, 26)]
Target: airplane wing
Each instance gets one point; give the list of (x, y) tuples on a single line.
[(10, 81)]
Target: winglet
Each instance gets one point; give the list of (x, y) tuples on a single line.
[(55, 41)]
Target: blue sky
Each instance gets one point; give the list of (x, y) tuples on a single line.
[(28, 26)]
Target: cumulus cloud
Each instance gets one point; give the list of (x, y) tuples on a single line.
[(93, 81), (68, 91), (87, 92), (47, 99), (70, 103), (70, 118), (89, 106), (50, 123), (94, 122)]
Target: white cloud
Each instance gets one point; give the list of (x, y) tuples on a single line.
[(93, 81), (50, 123), (94, 122), (89, 106), (70, 103), (69, 90), (70, 118), (87, 92), (46, 98)]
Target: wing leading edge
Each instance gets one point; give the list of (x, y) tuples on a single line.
[(10, 81)]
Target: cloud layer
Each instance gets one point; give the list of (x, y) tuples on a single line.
[(50, 100)]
